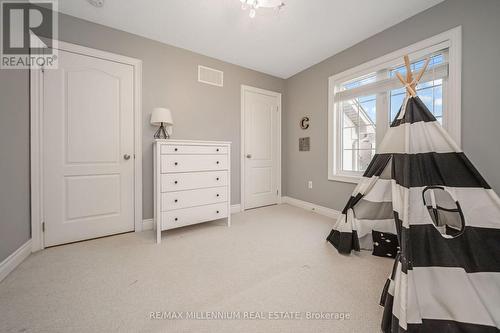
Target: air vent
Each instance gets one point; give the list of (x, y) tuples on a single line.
[(96, 3), (210, 76)]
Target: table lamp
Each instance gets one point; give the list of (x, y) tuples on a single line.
[(161, 117)]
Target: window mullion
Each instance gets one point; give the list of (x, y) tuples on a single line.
[(382, 117), (445, 112), (382, 108)]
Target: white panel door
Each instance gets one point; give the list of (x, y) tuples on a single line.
[(261, 111), (88, 149)]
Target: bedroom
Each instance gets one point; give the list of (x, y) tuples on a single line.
[(273, 114)]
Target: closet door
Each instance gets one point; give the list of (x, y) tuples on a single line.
[(88, 144), (261, 150)]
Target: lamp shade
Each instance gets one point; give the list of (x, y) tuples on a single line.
[(161, 115)]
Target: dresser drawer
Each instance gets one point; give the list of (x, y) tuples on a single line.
[(190, 163), (181, 217), (187, 181), (191, 198), (193, 149)]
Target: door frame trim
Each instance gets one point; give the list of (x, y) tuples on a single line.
[(36, 136), (245, 88)]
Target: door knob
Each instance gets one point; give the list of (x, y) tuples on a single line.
[(126, 157), (249, 155)]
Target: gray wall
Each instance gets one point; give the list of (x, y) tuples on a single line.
[(307, 93), (14, 163)]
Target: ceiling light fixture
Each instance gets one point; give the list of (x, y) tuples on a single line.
[(256, 4)]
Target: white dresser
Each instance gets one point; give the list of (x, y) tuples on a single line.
[(192, 183)]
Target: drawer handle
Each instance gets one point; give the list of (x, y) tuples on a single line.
[(217, 178), (176, 200), (217, 194), (176, 149), (175, 163), (175, 182), (176, 219), (217, 162), (217, 212), (217, 149)]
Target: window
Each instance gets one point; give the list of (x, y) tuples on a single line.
[(358, 127), (363, 101)]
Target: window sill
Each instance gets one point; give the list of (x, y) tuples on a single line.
[(345, 178)]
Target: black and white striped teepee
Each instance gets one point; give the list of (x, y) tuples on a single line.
[(422, 201)]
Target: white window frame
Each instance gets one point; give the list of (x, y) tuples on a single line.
[(452, 94)]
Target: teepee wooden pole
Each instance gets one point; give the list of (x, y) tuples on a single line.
[(422, 71), (410, 83), (407, 85), (409, 76)]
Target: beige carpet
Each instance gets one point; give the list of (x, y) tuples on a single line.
[(271, 259)]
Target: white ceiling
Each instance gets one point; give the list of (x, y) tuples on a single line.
[(283, 44)]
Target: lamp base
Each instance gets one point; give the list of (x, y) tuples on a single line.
[(161, 133)]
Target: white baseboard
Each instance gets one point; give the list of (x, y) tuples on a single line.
[(235, 209), (311, 207), (147, 224), (12, 261)]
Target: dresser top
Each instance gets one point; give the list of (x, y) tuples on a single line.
[(191, 142)]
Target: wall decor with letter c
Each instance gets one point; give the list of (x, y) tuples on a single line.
[(304, 123)]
